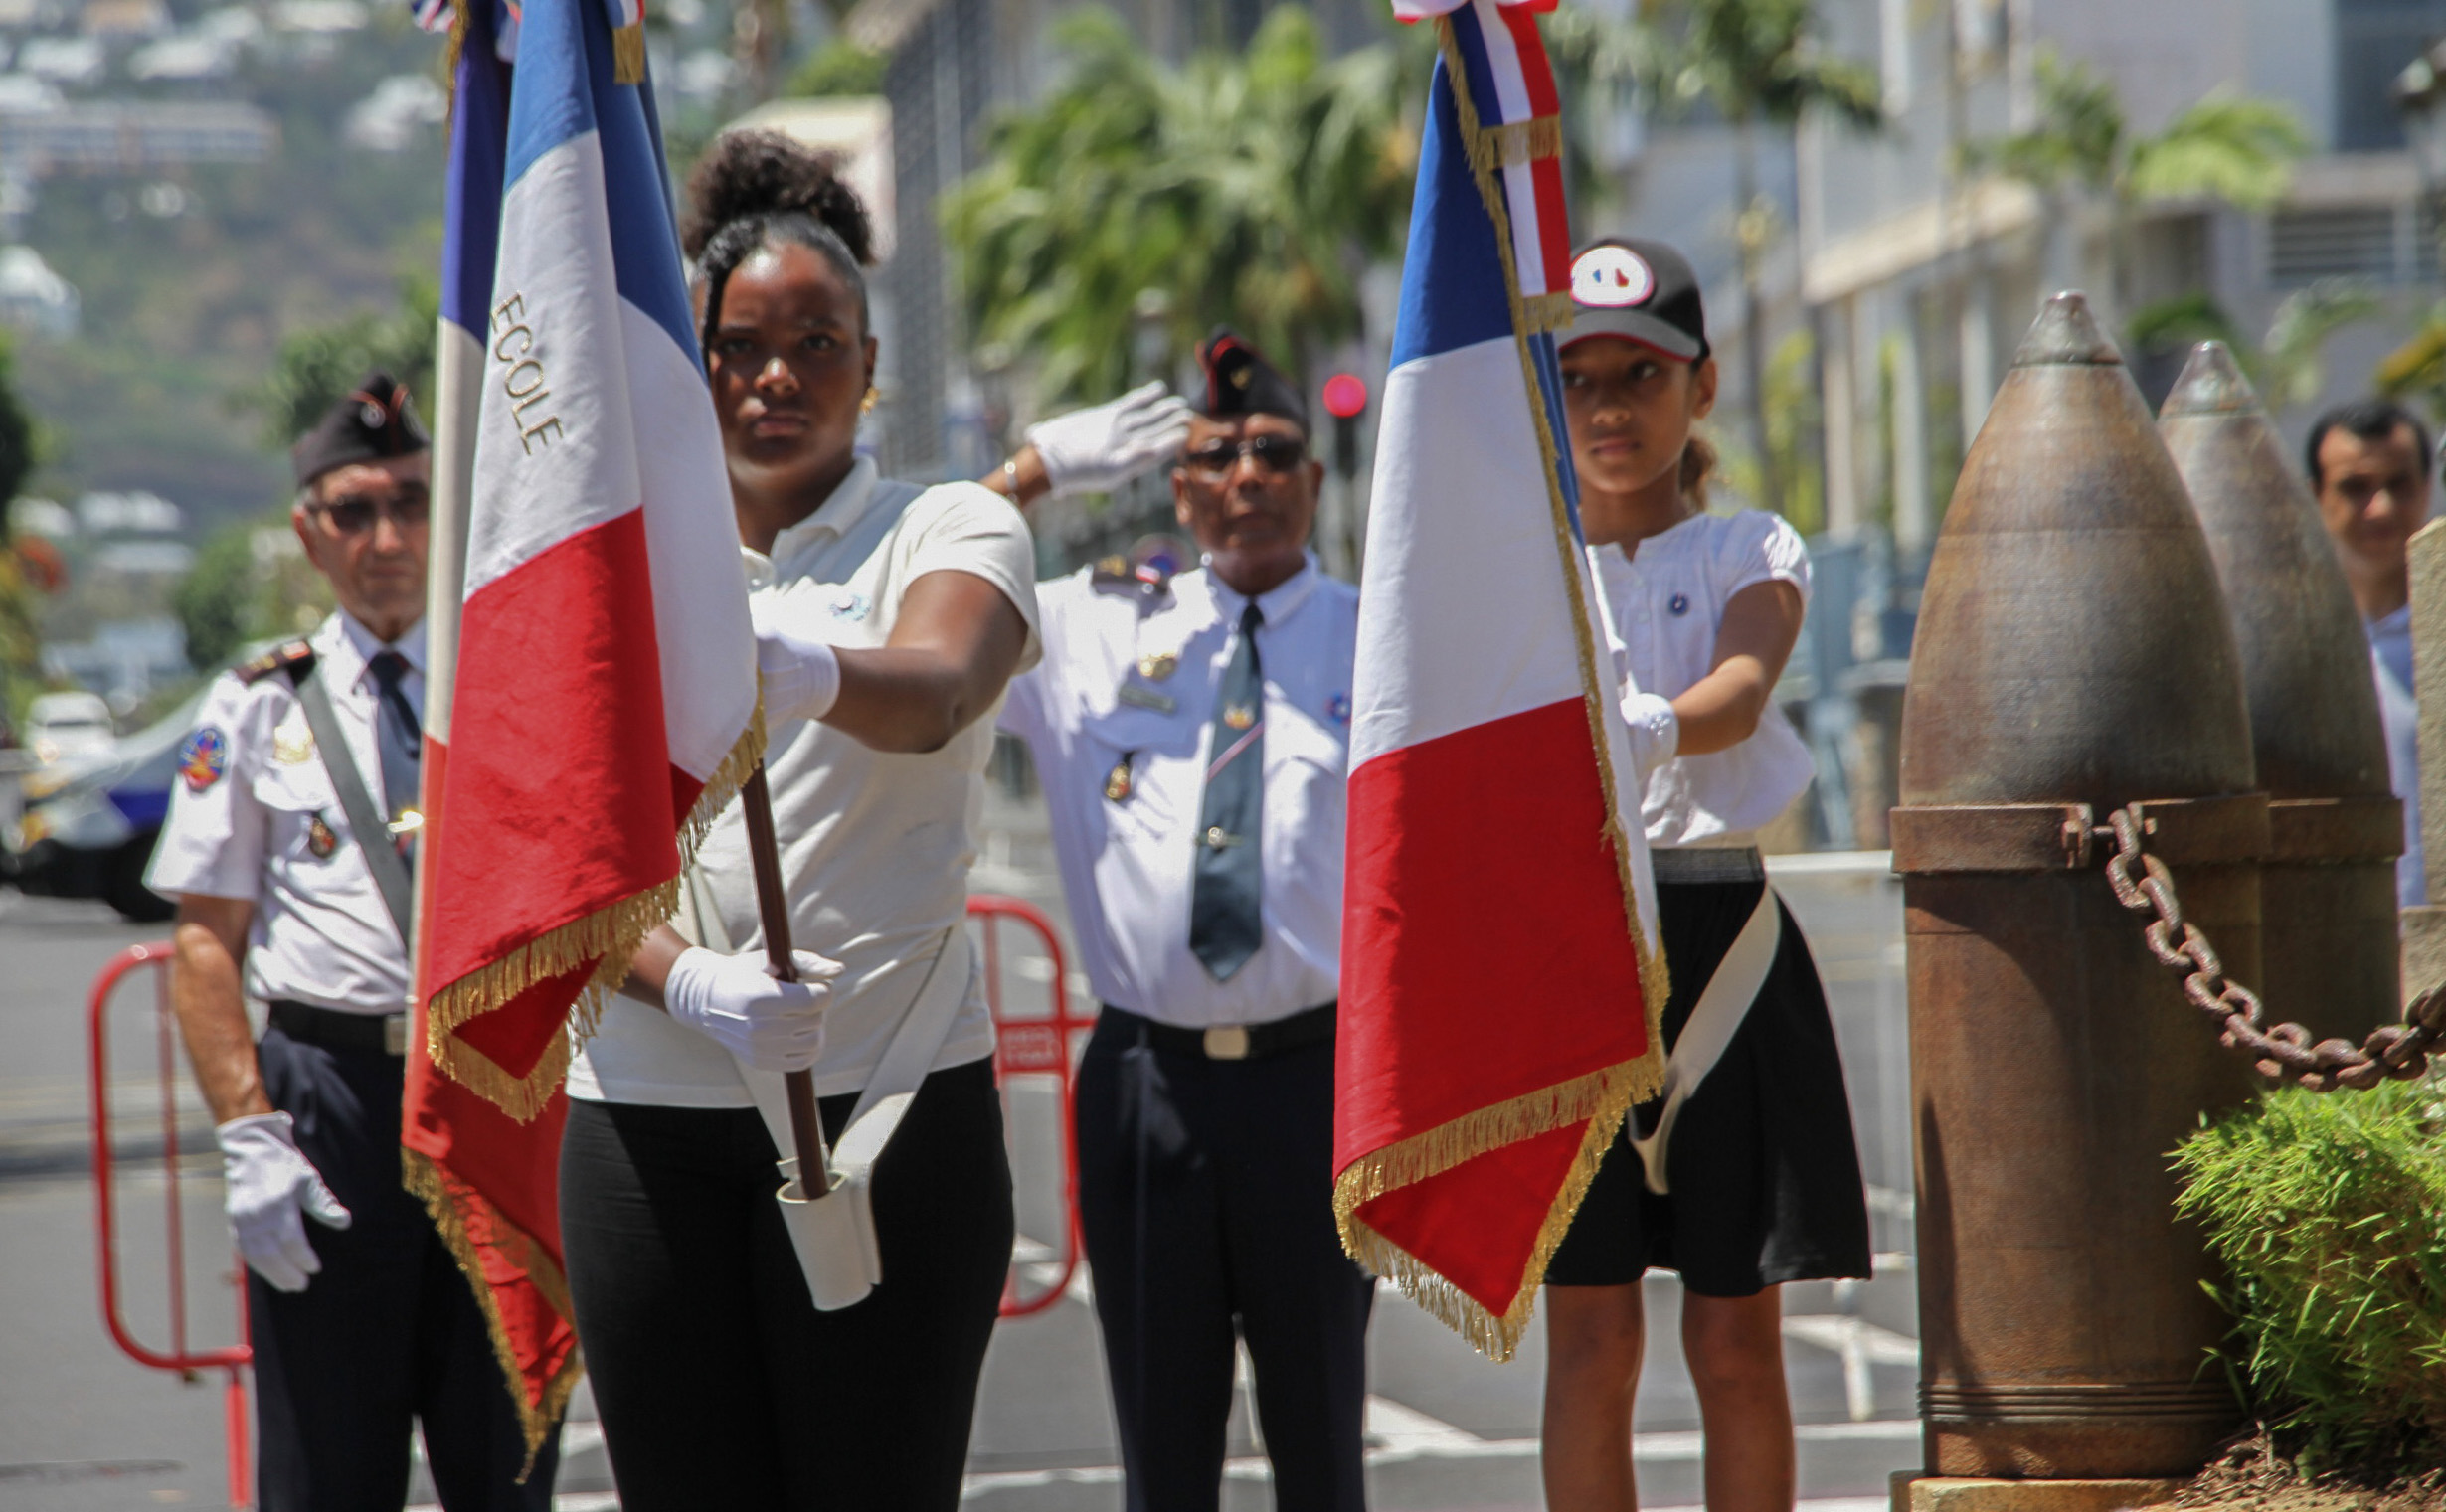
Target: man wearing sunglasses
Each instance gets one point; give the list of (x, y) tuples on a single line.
[(291, 845), (1192, 735)]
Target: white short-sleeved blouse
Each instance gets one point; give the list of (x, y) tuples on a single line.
[(876, 845), (1667, 602)]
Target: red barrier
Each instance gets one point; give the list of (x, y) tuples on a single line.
[(179, 1356), (1037, 1046)]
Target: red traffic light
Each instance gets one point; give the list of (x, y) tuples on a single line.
[(1345, 394)]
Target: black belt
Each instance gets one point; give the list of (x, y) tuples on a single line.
[(380, 1034), (1229, 1042)]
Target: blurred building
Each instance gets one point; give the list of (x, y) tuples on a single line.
[(1896, 281)]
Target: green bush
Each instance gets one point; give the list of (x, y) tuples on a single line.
[(2328, 1214)]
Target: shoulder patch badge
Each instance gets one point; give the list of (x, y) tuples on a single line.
[(204, 758)]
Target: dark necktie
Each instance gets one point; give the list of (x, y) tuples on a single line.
[(1225, 926), (397, 740)]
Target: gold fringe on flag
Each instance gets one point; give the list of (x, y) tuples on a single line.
[(1516, 143), (441, 1195), (1603, 1099), (629, 53), (606, 940)]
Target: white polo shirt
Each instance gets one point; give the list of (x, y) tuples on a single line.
[(1665, 605), (254, 815), (1120, 718), (875, 846)]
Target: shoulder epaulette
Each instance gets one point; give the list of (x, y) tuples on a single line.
[(1144, 581), (294, 658)]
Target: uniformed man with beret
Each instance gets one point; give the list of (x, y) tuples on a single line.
[(1192, 734), (290, 846)]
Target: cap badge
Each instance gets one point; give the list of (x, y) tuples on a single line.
[(204, 758), (322, 839), (1612, 278)]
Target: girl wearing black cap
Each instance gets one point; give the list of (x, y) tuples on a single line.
[(889, 619), (1754, 1180)]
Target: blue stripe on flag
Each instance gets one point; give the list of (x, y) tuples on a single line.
[(1452, 279), (479, 133), (565, 89), (1549, 366), (1470, 41)]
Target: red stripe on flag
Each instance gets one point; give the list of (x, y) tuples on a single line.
[(1536, 74), (557, 727), (1486, 953), (1553, 221)]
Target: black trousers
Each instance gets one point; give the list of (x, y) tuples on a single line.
[(1206, 1193), (387, 1333), (719, 1384)]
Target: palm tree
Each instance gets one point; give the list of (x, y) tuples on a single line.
[(1139, 204), (2225, 146), (1755, 62)]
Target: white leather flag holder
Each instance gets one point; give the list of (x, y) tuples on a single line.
[(834, 1234)]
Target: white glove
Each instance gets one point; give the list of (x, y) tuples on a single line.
[(1097, 449), (801, 673), (734, 1000), (1655, 731), (268, 1184)]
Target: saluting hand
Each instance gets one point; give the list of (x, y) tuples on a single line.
[(771, 1025), (1097, 449), (268, 1184)]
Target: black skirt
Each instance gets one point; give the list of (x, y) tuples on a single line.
[(1765, 1177)]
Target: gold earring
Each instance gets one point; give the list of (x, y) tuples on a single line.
[(874, 397)]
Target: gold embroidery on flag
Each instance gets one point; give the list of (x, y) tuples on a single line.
[(629, 54), (1599, 1100)]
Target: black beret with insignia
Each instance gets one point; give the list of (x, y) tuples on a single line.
[(1240, 382), (371, 424)]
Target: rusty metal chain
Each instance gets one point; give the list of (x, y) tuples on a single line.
[(2398, 1051)]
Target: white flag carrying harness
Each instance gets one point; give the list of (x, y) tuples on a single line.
[(1721, 1008), (834, 1234)]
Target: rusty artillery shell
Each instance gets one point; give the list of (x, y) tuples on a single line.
[(2327, 886), (2073, 655)]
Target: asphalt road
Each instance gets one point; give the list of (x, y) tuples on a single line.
[(83, 1427)]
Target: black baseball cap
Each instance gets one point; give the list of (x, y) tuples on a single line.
[(1640, 289), (372, 423)]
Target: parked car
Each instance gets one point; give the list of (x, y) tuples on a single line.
[(92, 816), (60, 725)]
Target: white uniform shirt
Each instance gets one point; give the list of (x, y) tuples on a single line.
[(254, 815), (2390, 660), (1665, 606), (876, 846), (1096, 720)]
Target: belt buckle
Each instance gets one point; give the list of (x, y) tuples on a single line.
[(395, 1034), (1227, 1042)]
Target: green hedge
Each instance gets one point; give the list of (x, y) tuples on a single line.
[(2328, 1214)]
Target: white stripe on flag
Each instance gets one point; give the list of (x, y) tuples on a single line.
[(459, 377), (554, 455), (1459, 455)]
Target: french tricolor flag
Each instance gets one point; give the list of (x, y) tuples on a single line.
[(1501, 972), (592, 698)]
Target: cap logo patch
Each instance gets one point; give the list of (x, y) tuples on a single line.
[(1612, 278)]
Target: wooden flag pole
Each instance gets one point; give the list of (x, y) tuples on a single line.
[(806, 1126)]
